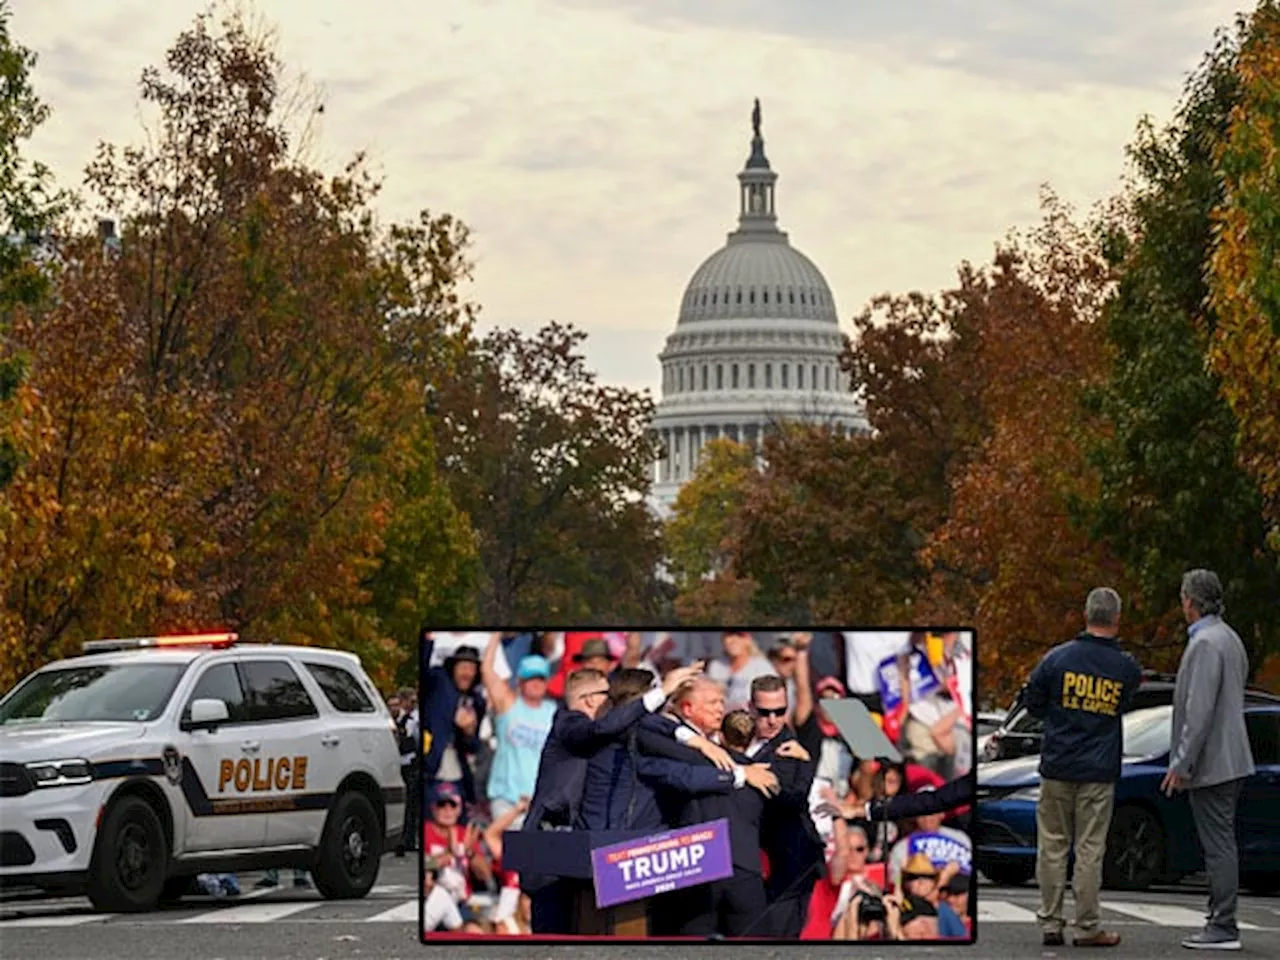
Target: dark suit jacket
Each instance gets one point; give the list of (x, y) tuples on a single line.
[(787, 832), (438, 705), (743, 808), (562, 770), (629, 789)]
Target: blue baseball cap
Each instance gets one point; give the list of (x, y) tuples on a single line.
[(533, 667)]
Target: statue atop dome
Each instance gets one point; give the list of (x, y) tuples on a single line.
[(755, 118)]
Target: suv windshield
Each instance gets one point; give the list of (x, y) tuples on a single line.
[(1147, 732), (103, 692)]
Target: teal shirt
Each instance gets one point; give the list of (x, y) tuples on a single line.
[(521, 732)]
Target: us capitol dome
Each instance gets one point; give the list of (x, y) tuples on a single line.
[(758, 341)]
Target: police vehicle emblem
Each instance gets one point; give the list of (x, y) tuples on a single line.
[(172, 764)]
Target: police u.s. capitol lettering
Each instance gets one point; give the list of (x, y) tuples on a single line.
[(1090, 693)]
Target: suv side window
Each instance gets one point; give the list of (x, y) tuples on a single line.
[(275, 692), (220, 682), (341, 689), (1264, 737)]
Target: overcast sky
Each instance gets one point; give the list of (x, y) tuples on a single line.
[(591, 145)]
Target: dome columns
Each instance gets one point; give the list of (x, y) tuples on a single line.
[(683, 445)]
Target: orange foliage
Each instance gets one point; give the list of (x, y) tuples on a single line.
[(1244, 272), (1008, 559)]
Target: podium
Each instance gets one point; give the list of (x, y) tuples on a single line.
[(565, 856)]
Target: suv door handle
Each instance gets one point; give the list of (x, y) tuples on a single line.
[(331, 740), (250, 746)]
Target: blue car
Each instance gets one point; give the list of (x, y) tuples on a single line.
[(1153, 837)]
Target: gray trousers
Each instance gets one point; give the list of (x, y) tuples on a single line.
[(1214, 809)]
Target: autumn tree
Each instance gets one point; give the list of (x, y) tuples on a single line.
[(552, 467), (913, 358), (1244, 349), (1010, 559), (236, 391), (1172, 495)]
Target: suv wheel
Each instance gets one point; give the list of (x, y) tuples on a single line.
[(350, 849), (127, 874), (1135, 850)]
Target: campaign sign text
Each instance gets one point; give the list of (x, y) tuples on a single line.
[(941, 850), (635, 869)]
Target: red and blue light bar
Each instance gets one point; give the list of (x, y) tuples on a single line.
[(213, 641)]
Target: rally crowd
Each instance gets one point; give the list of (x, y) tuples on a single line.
[(646, 732)]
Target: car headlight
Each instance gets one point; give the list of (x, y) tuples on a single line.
[(1029, 794), (60, 773)]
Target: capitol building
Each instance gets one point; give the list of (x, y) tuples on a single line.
[(758, 341)]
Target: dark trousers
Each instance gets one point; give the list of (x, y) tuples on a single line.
[(789, 906), (733, 907), (409, 839), (1214, 809), (549, 909)]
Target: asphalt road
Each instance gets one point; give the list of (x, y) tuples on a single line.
[(286, 924)]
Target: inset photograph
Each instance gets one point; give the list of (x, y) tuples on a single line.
[(692, 785)]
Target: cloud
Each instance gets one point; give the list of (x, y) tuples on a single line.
[(1048, 42), (592, 144)]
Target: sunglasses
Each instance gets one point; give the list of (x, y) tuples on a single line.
[(448, 803), (770, 711), (861, 849), (784, 659)]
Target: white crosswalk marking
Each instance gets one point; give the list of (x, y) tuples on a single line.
[(392, 888), (59, 920), (1165, 916), (405, 913), (403, 909), (1002, 911), (252, 912)]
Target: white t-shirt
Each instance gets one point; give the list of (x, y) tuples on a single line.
[(864, 651)]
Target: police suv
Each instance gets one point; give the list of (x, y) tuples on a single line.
[(127, 771)]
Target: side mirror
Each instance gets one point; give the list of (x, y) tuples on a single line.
[(207, 714)]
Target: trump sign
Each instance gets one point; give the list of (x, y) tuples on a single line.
[(635, 869)]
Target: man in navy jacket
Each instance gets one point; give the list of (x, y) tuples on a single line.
[(579, 732), (628, 787), (1081, 689), (451, 711)]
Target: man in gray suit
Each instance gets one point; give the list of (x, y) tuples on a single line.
[(1210, 756)]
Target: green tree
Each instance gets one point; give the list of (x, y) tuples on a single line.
[(698, 536), (552, 467), (429, 565), (697, 532), (1172, 495), (824, 533), (29, 204)]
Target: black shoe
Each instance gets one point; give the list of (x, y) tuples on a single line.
[(1053, 940)]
